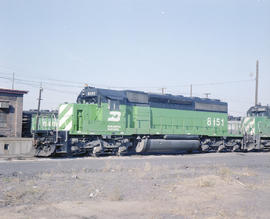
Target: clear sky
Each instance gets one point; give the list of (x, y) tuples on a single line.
[(136, 44)]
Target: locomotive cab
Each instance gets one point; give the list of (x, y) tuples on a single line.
[(259, 111), (256, 126)]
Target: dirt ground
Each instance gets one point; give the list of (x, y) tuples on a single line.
[(171, 186)]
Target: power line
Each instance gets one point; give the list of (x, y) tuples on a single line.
[(80, 84), (60, 91), (35, 84), (31, 82), (50, 85), (224, 82)]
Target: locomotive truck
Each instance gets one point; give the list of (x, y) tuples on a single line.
[(105, 121)]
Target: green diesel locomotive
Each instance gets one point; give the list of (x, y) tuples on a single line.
[(107, 121)]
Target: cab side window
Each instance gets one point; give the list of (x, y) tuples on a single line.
[(113, 105)]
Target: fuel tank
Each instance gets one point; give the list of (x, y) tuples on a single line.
[(169, 146)]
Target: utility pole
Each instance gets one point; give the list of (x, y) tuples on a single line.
[(13, 75), (191, 90), (163, 90), (207, 95), (38, 111), (257, 83)]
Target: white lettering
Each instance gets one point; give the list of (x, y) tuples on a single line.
[(215, 122), (113, 127)]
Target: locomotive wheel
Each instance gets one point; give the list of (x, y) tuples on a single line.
[(221, 148), (250, 146), (205, 148), (45, 150), (122, 151), (97, 151), (236, 147)]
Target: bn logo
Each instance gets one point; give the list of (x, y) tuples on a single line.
[(114, 116)]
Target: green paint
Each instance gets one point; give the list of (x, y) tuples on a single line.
[(91, 119), (45, 122), (256, 125)]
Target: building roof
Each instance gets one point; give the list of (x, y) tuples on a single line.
[(10, 91)]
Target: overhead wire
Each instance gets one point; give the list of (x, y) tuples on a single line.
[(50, 84), (66, 83)]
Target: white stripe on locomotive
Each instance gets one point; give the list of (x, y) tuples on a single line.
[(65, 117)]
